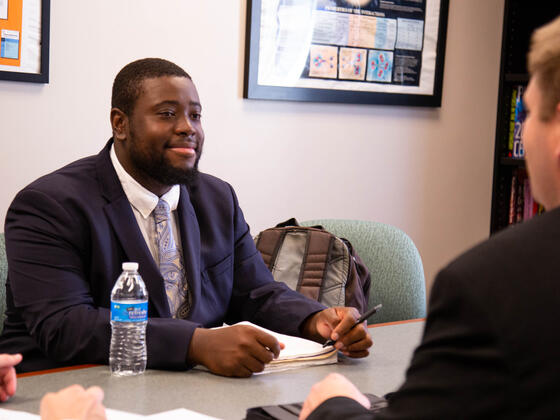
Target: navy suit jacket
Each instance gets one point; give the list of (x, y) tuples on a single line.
[(67, 235)]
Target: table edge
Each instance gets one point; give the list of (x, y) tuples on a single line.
[(85, 366), (405, 321), (55, 370)]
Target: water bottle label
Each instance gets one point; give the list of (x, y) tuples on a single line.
[(129, 312)]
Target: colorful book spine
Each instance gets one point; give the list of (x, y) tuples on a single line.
[(512, 198), (522, 205), (512, 121), (519, 205), (528, 202), (518, 151)]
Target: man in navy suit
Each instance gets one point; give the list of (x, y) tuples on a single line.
[(68, 233), (490, 346)]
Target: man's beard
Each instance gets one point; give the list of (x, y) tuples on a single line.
[(161, 170)]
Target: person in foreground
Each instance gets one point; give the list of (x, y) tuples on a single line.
[(73, 402), (143, 199), (8, 380), (490, 348)]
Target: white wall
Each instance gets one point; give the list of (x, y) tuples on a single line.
[(426, 171)]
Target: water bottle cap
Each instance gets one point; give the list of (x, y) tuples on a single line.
[(130, 266)]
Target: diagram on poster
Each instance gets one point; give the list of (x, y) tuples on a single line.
[(380, 66), (352, 63), (322, 61)]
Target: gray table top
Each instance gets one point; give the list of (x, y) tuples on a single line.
[(228, 398)]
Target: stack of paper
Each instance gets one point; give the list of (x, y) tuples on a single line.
[(180, 413), (298, 352)]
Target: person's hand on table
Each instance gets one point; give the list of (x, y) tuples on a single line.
[(239, 350), (74, 403), (8, 381), (334, 385), (337, 324)]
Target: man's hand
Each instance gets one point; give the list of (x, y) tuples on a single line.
[(75, 403), (334, 385), (239, 350), (8, 381), (336, 324)]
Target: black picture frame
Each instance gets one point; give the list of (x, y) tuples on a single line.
[(43, 75), (254, 90)]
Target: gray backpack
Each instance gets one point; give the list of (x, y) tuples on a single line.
[(316, 263)]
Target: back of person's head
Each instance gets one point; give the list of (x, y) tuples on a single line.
[(543, 61), (128, 82)]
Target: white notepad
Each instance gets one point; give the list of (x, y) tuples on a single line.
[(298, 352), (180, 413)]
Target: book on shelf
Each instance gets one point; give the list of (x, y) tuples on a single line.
[(518, 151), (527, 200), (512, 121), (520, 201), (512, 198), (522, 205)]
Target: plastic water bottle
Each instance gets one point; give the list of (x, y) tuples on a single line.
[(129, 317)]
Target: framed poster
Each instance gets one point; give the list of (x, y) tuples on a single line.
[(24, 44), (354, 51)]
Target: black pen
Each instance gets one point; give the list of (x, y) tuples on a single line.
[(358, 322)]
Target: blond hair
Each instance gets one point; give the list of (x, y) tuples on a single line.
[(543, 61)]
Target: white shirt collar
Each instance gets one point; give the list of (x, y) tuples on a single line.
[(139, 197)]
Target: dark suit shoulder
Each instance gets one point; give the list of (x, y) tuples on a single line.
[(511, 282), (525, 247), (487, 342), (76, 175), (207, 182), (208, 191)]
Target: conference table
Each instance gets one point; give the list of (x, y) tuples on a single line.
[(228, 398)]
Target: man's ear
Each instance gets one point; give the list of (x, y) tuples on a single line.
[(119, 124), (557, 112), (555, 130)]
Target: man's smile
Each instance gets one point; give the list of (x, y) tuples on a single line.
[(184, 151)]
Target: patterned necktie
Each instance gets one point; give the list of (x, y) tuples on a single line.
[(170, 259)]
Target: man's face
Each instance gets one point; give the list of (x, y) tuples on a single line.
[(165, 137), (541, 140)]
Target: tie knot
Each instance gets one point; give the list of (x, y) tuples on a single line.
[(161, 212)]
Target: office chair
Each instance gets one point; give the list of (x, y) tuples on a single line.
[(397, 274)]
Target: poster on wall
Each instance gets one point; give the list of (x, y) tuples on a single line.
[(24, 40), (355, 51)]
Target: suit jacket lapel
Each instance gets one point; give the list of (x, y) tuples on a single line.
[(190, 240), (122, 219)]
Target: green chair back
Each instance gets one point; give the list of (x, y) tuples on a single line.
[(3, 277), (397, 274)]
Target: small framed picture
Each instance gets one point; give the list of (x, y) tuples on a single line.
[(24, 40)]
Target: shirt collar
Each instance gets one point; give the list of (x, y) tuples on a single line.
[(139, 197)]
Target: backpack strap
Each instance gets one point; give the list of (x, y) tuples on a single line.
[(269, 244), (314, 266), (359, 281)]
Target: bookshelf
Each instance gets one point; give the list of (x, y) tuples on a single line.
[(521, 17)]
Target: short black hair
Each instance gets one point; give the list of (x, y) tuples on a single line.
[(127, 84)]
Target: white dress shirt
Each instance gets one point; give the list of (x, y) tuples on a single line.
[(143, 202)]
